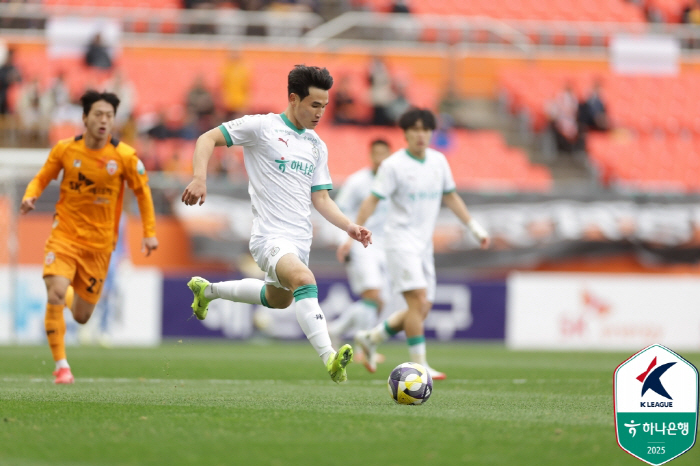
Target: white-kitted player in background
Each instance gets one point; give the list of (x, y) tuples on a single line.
[(366, 267), (287, 165), (415, 181)]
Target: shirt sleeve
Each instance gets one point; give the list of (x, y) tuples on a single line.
[(52, 167), (321, 179), (137, 179), (244, 131), (448, 182), (385, 182)]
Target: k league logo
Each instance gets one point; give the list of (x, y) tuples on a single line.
[(656, 405)]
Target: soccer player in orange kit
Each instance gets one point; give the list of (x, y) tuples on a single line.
[(85, 227)]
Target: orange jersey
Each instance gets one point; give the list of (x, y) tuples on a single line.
[(92, 189)]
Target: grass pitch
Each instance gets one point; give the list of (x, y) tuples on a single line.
[(194, 403)]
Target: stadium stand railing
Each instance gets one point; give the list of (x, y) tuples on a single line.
[(490, 30)]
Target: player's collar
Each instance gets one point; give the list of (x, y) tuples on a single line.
[(416, 158), (291, 125)]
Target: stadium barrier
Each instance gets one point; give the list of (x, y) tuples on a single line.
[(575, 311), (463, 310), (135, 319)]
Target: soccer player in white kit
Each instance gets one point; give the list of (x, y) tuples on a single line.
[(366, 267), (287, 165), (415, 180)]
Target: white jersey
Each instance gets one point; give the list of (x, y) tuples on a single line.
[(284, 165), (414, 188), (355, 190)]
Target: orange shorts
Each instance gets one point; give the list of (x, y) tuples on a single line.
[(85, 268)]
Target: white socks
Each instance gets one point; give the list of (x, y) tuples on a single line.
[(360, 315), (381, 333), (248, 290), (62, 364), (312, 320), (416, 351)]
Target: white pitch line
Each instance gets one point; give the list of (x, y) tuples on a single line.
[(122, 380)]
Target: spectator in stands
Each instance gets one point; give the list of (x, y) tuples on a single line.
[(399, 104), (562, 112), (160, 130), (32, 111), (126, 92), (61, 108), (9, 75), (593, 115), (691, 13), (381, 92), (235, 85), (344, 104), (400, 6), (201, 103), (97, 55)]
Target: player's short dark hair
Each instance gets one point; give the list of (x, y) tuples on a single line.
[(412, 115), (302, 77), (90, 97), (379, 141)]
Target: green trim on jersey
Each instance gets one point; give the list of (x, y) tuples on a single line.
[(449, 192), (320, 187), (415, 158), (227, 136), (378, 195), (291, 125)]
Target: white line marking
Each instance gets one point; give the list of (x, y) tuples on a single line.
[(122, 380)]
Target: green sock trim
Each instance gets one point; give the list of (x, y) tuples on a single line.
[(306, 291), (370, 303), (389, 330), (263, 300), (415, 340)]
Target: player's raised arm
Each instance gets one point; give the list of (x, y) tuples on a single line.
[(196, 191), (52, 167), (137, 180), (331, 212)]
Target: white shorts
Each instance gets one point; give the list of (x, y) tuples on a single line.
[(367, 268), (412, 271), (268, 251)]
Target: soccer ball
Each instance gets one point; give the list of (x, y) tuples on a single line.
[(410, 384)]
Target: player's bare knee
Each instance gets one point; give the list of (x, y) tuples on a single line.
[(302, 278), (280, 302), (81, 317), (56, 295)]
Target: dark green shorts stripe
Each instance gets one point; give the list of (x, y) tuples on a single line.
[(306, 291)]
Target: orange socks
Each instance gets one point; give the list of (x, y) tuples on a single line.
[(70, 292), (56, 330)]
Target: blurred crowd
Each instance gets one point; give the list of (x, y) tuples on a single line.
[(571, 119)]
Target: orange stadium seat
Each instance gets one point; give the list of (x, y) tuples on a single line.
[(479, 160), (592, 10)]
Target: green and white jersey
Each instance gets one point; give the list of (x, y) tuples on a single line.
[(414, 188), (284, 165), (355, 190)]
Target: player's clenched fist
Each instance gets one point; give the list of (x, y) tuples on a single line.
[(194, 191)]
